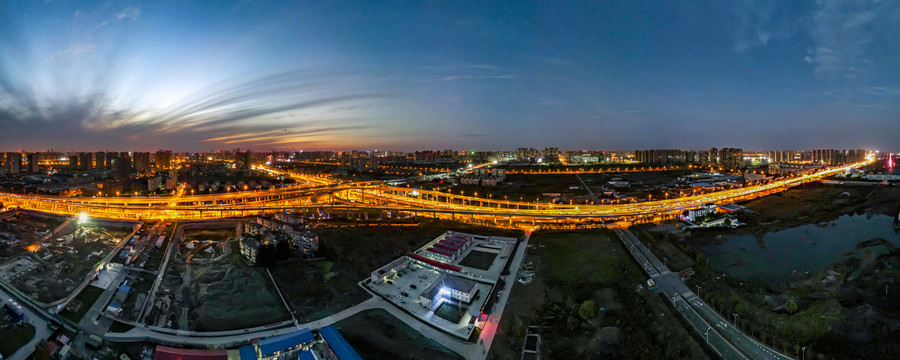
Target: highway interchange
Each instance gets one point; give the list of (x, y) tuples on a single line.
[(725, 339)]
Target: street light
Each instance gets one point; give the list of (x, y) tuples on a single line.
[(707, 334)]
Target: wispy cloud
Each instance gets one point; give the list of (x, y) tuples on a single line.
[(76, 49), (632, 114), (842, 34), (761, 21), (457, 72), (129, 13)]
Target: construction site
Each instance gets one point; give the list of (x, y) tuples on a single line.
[(204, 285), (52, 256)]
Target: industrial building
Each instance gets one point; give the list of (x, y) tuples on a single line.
[(392, 267), (301, 344), (449, 287), (448, 246), (338, 344)]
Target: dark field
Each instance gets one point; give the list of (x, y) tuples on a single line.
[(583, 295), (479, 259)]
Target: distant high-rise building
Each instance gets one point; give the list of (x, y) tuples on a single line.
[(550, 155), (112, 160), (14, 160), (243, 159), (163, 159), (100, 161), (669, 157), (123, 166), (731, 158), (141, 161), (713, 157), (33, 163)]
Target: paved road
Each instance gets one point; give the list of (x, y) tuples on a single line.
[(466, 349), (588, 188), (698, 313), (40, 330), (190, 338)]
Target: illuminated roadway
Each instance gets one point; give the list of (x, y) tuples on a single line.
[(373, 195)]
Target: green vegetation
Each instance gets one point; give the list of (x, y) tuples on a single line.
[(14, 337), (792, 306), (88, 297), (583, 295), (587, 310), (844, 311)]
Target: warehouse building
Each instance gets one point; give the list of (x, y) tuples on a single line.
[(276, 346), (338, 344)]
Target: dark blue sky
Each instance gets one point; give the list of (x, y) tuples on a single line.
[(402, 75)]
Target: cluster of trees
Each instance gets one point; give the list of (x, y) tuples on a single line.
[(270, 253)]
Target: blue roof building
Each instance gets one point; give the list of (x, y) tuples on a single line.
[(281, 343), (338, 344), (248, 352), (306, 355)]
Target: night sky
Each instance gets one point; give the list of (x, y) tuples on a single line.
[(87, 76)]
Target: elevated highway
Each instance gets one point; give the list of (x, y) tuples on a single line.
[(378, 196)]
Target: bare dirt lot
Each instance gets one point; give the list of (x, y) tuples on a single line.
[(220, 294)]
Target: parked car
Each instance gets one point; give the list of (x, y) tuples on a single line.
[(412, 286), (404, 293)]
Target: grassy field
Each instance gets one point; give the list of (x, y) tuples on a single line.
[(583, 295), (375, 334), (87, 298), (13, 337)]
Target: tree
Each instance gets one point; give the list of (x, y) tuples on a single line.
[(792, 306), (587, 310)]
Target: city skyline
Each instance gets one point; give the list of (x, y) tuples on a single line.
[(263, 76)]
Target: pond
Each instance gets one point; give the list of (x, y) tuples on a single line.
[(775, 256)]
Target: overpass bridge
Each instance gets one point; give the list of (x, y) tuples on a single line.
[(371, 195)]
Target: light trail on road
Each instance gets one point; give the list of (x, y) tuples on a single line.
[(379, 196)]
